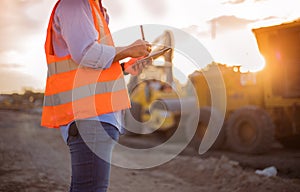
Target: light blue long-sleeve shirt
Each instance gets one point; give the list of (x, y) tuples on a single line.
[(74, 34)]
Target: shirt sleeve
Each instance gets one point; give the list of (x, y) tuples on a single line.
[(98, 56), (76, 24)]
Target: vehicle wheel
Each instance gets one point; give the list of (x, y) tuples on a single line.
[(203, 120), (291, 142), (250, 130), (169, 133)]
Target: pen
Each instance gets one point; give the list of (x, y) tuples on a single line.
[(142, 32)]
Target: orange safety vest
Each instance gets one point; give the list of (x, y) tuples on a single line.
[(77, 92)]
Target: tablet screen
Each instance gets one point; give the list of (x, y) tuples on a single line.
[(156, 53)]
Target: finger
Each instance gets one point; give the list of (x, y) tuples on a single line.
[(140, 67), (149, 62), (134, 67)]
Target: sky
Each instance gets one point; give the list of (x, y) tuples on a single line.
[(222, 26)]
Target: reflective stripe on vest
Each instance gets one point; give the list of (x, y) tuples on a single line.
[(84, 91), (77, 92), (61, 67)]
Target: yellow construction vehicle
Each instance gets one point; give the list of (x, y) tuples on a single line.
[(260, 106), (280, 46)]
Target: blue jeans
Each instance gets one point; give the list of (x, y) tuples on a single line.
[(91, 153)]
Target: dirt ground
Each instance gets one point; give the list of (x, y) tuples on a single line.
[(35, 159)]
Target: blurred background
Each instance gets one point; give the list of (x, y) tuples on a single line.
[(222, 26), (256, 146)]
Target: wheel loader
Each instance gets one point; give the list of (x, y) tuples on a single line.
[(261, 107)]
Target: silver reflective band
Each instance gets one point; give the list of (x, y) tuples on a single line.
[(61, 67), (84, 91)]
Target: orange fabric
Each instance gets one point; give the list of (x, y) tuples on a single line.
[(55, 116), (93, 5), (93, 106), (80, 77), (48, 44)]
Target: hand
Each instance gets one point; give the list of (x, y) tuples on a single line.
[(139, 48), (136, 65)]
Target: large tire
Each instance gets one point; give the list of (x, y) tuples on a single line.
[(203, 120), (250, 130)]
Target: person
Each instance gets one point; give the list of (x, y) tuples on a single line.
[(85, 91)]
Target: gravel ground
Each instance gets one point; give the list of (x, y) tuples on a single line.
[(36, 159)]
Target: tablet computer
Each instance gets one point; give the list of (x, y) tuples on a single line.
[(156, 54)]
